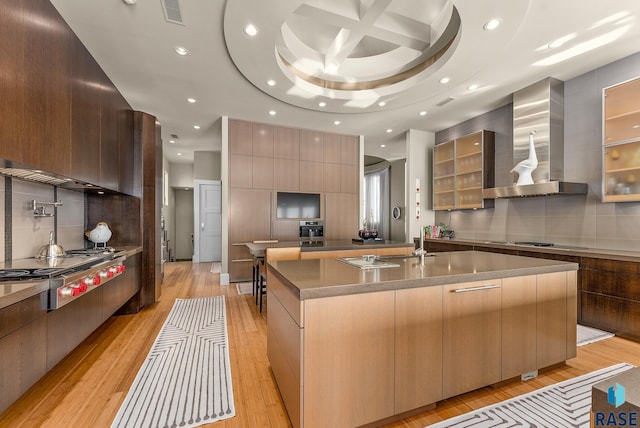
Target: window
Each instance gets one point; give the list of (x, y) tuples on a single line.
[(376, 201)]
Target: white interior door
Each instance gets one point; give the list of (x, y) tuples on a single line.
[(210, 222)]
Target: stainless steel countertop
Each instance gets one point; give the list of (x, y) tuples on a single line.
[(330, 277), (14, 292)]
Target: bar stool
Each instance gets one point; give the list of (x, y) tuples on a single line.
[(274, 254), (255, 269)]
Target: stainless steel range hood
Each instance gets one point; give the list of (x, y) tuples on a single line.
[(539, 108)]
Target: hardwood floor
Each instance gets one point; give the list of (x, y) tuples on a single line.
[(87, 388)]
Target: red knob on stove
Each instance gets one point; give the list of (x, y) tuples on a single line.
[(75, 292), (109, 273), (96, 280)]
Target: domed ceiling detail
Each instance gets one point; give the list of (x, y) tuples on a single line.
[(378, 43), (346, 55)]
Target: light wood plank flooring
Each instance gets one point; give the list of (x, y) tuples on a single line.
[(87, 388)]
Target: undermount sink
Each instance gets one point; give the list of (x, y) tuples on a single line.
[(368, 262)]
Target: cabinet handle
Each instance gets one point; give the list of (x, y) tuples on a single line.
[(480, 288), (241, 260)]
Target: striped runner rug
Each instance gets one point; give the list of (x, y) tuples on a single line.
[(185, 380), (564, 404), (587, 335)]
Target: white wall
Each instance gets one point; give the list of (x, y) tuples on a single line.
[(207, 166), (181, 175), (419, 145)]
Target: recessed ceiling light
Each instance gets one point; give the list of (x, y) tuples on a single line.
[(250, 30), (179, 154), (383, 145), (186, 188), (423, 113), (191, 100), (636, 126), (389, 130), (492, 24), (336, 122), (100, 192), (322, 104), (196, 126), (271, 82), (172, 141), (272, 112), (472, 87), (382, 104), (180, 50), (445, 80)]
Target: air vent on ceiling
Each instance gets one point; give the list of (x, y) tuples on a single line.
[(172, 12), (445, 101), (175, 136)]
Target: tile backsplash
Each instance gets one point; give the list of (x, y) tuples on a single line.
[(29, 233)]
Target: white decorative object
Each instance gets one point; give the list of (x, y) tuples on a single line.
[(100, 234), (525, 167)]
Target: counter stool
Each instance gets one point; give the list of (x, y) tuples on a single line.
[(273, 254)]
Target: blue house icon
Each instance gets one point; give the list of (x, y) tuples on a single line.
[(615, 395)]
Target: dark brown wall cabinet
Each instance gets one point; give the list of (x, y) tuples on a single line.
[(60, 112)]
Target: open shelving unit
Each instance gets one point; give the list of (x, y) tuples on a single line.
[(462, 168)]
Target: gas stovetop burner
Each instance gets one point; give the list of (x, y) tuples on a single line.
[(13, 273), (91, 251), (24, 274)]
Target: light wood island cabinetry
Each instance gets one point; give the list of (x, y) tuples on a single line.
[(471, 336), (350, 346)]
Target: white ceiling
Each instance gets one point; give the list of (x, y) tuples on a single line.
[(135, 44)]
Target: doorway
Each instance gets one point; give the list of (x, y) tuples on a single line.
[(208, 234), (183, 224)]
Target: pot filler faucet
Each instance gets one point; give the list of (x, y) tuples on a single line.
[(420, 251)]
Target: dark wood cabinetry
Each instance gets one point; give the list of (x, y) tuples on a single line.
[(610, 297), (35, 88), (61, 113), (23, 335), (119, 290), (85, 116)]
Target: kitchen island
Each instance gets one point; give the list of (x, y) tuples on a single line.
[(333, 248), (351, 346)]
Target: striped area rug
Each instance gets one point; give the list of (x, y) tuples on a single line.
[(565, 404), (186, 379), (587, 335)]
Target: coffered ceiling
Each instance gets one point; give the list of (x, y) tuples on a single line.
[(368, 67)]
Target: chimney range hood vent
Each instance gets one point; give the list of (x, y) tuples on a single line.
[(539, 108)]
